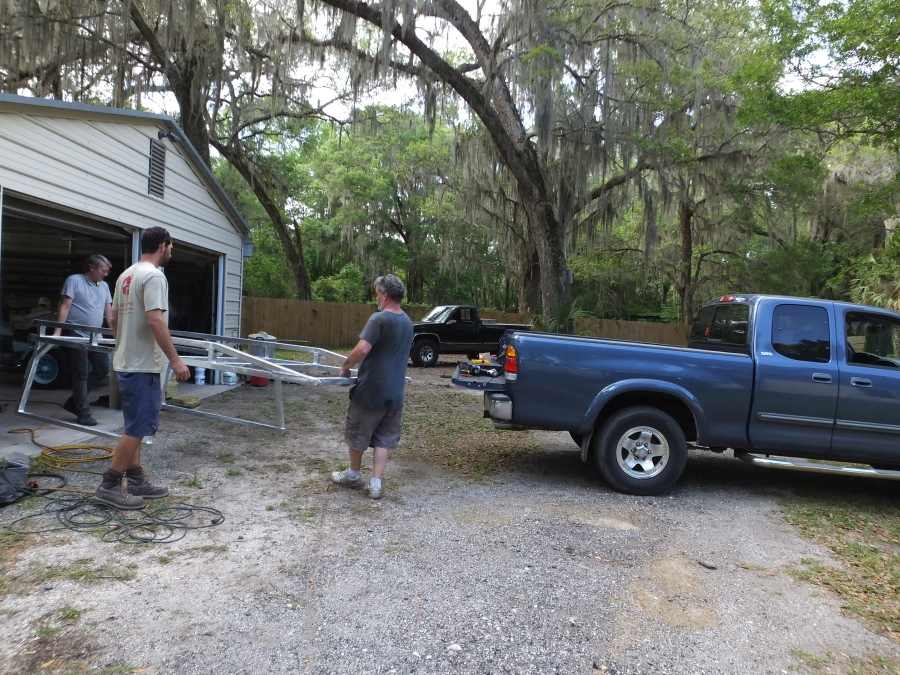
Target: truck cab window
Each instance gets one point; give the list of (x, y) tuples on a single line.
[(872, 340), (800, 332), (702, 326), (730, 324), (721, 327), (465, 314)]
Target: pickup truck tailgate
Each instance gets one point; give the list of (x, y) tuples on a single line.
[(466, 380), (498, 405)]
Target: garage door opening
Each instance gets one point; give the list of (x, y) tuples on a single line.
[(39, 247), (193, 276)]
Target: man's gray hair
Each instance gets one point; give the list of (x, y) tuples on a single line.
[(391, 286), (96, 260)]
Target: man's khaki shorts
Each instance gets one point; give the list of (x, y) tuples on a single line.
[(367, 428)]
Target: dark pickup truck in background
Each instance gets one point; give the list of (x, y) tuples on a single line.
[(456, 329), (779, 380)]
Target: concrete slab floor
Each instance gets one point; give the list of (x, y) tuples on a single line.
[(49, 402)]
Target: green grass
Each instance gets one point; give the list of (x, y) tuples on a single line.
[(445, 427), (171, 556), (299, 512), (83, 571), (232, 472), (194, 482), (441, 426), (843, 664), (69, 614), (9, 539), (863, 533), (48, 632)]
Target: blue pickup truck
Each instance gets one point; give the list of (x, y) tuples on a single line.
[(782, 381)]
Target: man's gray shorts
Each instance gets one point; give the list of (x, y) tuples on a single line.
[(368, 428)]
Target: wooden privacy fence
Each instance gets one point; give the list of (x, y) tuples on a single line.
[(335, 324), (635, 331), (327, 324)]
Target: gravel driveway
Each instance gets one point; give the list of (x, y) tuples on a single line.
[(529, 565)]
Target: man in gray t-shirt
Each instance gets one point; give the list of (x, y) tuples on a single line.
[(86, 301), (374, 415)]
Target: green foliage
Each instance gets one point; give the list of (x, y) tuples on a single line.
[(617, 284), (803, 268), (348, 285), (791, 215), (856, 89), (266, 272), (875, 278)]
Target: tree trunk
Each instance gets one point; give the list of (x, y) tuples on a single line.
[(415, 277), (193, 120), (686, 283), (184, 78), (291, 242), (554, 282), (529, 291)]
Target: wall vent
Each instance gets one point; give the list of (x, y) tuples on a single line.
[(157, 182)]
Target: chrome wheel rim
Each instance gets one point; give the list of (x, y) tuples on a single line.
[(642, 452), (426, 353)]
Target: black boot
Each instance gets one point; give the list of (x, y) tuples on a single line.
[(139, 485), (110, 492)]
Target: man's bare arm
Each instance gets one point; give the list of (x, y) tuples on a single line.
[(65, 305), (355, 357), (109, 316), (113, 319), (160, 330)]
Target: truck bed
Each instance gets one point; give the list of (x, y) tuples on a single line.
[(562, 377)]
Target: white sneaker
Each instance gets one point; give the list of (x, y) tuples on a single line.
[(346, 478), (375, 489)]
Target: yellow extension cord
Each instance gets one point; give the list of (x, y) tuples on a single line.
[(66, 457)]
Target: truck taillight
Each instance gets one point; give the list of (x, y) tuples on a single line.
[(511, 364)]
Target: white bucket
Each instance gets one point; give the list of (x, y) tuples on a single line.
[(199, 375), (229, 377)]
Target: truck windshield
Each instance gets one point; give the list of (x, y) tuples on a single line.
[(438, 314)]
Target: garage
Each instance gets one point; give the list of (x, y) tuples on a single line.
[(77, 179)]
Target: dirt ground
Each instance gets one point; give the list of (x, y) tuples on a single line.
[(491, 552)]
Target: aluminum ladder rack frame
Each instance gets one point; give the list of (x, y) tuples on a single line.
[(214, 352)]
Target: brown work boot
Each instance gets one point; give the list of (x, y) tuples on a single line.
[(110, 493), (140, 486)]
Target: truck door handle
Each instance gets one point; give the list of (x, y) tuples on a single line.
[(860, 382), (822, 377)]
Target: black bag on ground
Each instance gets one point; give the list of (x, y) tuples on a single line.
[(13, 478)]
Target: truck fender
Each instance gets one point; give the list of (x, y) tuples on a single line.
[(433, 336), (616, 389)]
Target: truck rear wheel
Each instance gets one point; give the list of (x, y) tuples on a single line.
[(425, 353), (641, 451)]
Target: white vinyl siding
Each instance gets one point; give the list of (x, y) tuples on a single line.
[(100, 168)]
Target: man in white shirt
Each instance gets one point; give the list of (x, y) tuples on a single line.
[(143, 343)]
